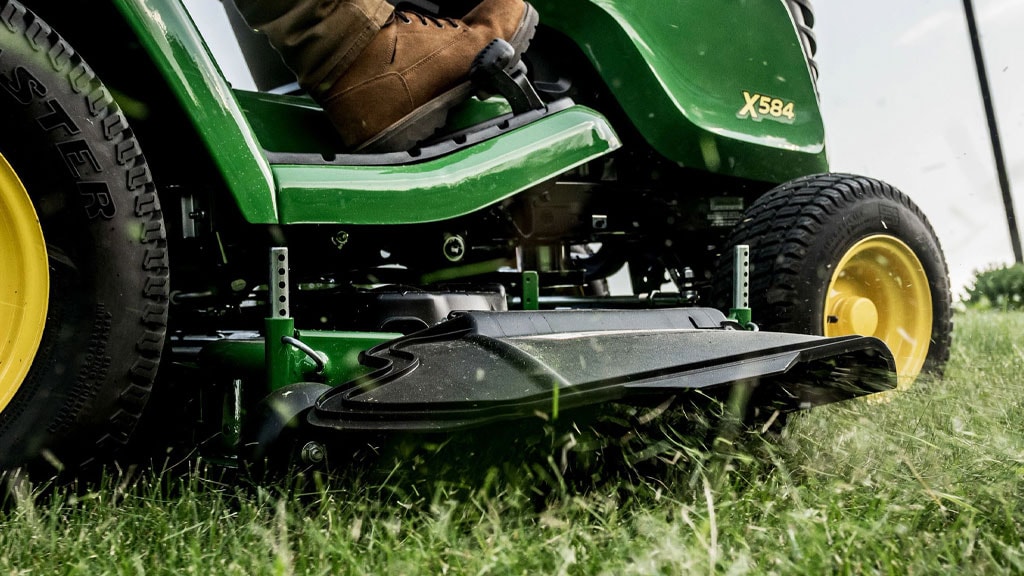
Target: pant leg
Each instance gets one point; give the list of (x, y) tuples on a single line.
[(318, 39)]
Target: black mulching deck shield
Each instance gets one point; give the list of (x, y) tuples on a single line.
[(481, 367)]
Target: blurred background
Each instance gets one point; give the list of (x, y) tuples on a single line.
[(901, 101)]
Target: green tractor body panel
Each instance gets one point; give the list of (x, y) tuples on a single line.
[(447, 187), (718, 85), (170, 37), (266, 193), (716, 108)]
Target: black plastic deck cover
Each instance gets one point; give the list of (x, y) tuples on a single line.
[(480, 367)]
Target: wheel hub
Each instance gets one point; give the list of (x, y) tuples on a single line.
[(856, 315), (879, 288), (24, 283)]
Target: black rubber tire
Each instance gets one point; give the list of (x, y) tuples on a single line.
[(71, 147), (799, 231)]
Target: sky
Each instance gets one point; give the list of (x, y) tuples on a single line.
[(901, 102)]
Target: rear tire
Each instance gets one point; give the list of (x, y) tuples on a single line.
[(838, 254), (71, 149)]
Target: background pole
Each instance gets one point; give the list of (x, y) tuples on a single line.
[(997, 147)]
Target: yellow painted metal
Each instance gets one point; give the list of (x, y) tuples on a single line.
[(24, 283), (879, 288)]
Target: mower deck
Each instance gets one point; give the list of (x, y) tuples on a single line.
[(482, 367)]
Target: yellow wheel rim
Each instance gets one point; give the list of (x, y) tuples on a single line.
[(24, 283), (880, 289)]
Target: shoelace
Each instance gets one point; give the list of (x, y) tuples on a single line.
[(408, 16)]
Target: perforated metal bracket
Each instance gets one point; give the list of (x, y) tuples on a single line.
[(279, 293), (740, 311)]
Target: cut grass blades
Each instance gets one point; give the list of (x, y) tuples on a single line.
[(928, 482)]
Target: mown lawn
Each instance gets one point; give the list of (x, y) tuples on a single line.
[(929, 482)]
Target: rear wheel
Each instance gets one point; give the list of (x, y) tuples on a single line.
[(838, 254), (25, 285), (83, 293)]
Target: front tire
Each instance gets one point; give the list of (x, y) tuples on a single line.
[(68, 153), (839, 254)]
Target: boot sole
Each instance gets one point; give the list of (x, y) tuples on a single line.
[(422, 122), (524, 33), (418, 124)]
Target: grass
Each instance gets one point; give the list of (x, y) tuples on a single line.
[(928, 482)]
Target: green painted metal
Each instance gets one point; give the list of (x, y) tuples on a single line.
[(229, 359), (170, 37), (743, 316), (247, 360), (342, 351), (474, 111), (284, 123), (283, 362), (446, 187), (531, 290), (232, 416), (295, 124), (680, 68)]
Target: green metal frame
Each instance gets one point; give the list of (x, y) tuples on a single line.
[(273, 363)]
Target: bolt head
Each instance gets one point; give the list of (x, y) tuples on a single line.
[(313, 453), (454, 248)]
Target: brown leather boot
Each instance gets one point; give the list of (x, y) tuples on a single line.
[(400, 89)]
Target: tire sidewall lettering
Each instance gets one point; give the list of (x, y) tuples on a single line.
[(74, 151), (12, 14), (23, 86)]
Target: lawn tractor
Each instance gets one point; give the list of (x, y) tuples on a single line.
[(165, 234)]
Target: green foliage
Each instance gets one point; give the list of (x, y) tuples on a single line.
[(926, 482), (999, 288)]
